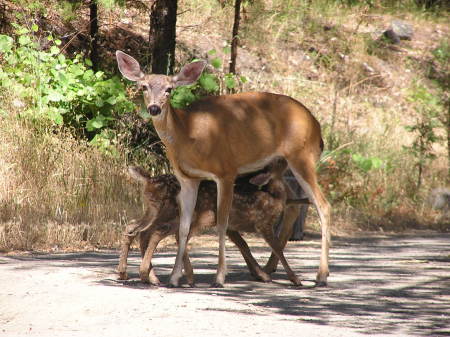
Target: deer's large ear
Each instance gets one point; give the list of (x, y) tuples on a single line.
[(129, 67), (189, 73)]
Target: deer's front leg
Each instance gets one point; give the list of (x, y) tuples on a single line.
[(224, 201), (186, 202)]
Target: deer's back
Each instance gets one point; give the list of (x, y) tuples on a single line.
[(247, 128)]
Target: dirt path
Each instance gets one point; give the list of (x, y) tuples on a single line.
[(380, 285)]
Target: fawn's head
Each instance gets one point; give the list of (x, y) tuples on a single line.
[(274, 170), (156, 88)]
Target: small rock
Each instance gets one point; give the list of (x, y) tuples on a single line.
[(402, 29), (391, 36), (439, 198), (368, 68)]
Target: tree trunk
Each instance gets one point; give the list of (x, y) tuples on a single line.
[(163, 19), (235, 36), (93, 33)]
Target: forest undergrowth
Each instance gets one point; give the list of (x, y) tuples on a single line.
[(68, 132)]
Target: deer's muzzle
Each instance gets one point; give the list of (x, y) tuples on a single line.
[(154, 110)]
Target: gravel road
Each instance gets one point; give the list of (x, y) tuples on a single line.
[(380, 285)]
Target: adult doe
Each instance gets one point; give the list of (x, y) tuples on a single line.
[(219, 137)]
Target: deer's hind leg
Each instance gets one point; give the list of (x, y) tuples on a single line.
[(303, 165)]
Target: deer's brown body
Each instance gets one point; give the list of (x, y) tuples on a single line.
[(250, 129), (254, 210), (219, 137)]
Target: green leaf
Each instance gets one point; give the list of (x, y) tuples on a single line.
[(88, 62), (230, 82), (55, 115), (243, 79), (212, 52), (209, 82), (227, 50), (216, 63), (6, 43), (376, 162), (22, 31), (54, 50), (55, 96), (24, 40), (34, 27), (95, 123), (58, 42), (182, 96), (88, 74), (111, 100)]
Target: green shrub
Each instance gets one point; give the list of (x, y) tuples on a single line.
[(61, 90), (208, 84)]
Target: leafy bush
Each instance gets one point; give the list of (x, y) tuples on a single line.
[(48, 85), (428, 108), (208, 84)]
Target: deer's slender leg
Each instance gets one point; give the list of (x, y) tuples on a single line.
[(253, 266), (277, 249), (186, 201), (303, 167), (127, 240), (188, 270), (152, 239), (289, 216), (224, 201)]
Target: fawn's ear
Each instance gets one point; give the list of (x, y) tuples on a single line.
[(189, 73), (129, 67), (261, 179)]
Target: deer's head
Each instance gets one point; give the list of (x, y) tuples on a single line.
[(156, 88)]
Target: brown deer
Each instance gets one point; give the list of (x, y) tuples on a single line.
[(258, 203), (219, 137)]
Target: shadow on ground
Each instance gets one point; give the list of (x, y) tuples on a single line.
[(384, 284)]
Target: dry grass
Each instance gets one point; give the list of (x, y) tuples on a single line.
[(57, 191)]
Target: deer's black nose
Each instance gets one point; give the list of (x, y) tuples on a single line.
[(154, 110)]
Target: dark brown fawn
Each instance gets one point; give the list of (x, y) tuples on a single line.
[(219, 137), (254, 210)]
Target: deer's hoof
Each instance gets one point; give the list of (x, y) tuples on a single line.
[(123, 275), (171, 285), (296, 282), (217, 285), (321, 283)]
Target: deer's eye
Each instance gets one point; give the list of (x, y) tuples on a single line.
[(145, 87), (168, 90)]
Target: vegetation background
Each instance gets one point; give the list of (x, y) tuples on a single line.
[(69, 125)]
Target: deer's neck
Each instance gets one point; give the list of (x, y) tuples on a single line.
[(172, 128)]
